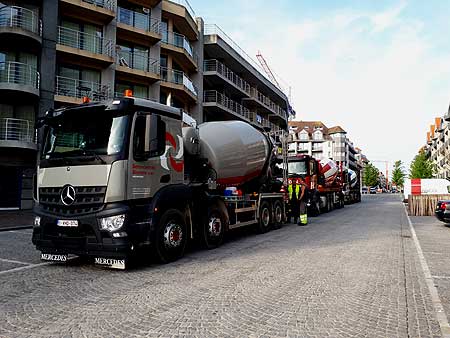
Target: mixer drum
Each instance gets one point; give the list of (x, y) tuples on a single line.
[(235, 150), (353, 178), (329, 170)]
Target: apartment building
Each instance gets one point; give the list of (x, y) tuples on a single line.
[(315, 139), (55, 52), (438, 141), (236, 87)]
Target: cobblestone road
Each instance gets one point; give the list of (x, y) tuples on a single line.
[(351, 273)]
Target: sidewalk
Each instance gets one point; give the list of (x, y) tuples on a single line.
[(16, 219)]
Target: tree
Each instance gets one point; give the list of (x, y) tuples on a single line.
[(398, 174), (370, 175), (421, 166)]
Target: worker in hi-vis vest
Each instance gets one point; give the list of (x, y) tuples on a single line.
[(297, 201)]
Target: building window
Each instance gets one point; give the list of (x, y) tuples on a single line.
[(318, 135), (138, 90), (303, 135)]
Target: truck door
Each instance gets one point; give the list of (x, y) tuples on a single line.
[(154, 153)]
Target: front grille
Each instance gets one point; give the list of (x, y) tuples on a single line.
[(87, 200)]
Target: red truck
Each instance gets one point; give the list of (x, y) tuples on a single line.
[(325, 181)]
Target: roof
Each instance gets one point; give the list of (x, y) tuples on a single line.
[(335, 130), (309, 126)]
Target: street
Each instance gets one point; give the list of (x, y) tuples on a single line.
[(354, 272)]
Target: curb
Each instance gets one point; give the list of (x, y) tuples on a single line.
[(16, 227)]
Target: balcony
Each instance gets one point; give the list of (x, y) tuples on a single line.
[(92, 10), (221, 75), (137, 66), (72, 91), (17, 133), (184, 52), (183, 16), (137, 27), (224, 108), (175, 79), (17, 77), (78, 45), (264, 103), (17, 21)]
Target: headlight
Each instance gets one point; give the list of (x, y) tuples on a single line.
[(112, 223), (37, 221)]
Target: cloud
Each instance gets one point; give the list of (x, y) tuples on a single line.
[(376, 73)]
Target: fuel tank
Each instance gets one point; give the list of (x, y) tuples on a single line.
[(235, 150)]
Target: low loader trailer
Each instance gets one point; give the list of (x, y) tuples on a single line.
[(130, 177)]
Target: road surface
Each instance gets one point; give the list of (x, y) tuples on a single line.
[(355, 272)]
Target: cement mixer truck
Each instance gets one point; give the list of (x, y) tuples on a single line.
[(124, 177), (324, 180)]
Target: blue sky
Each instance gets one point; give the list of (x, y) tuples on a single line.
[(378, 68)]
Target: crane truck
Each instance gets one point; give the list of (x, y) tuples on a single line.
[(117, 177)]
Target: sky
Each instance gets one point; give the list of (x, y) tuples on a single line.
[(378, 68)]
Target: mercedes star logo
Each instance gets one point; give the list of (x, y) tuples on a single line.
[(68, 195)]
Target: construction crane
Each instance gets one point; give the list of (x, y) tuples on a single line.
[(273, 78)]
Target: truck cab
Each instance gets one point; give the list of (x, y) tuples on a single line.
[(99, 169)]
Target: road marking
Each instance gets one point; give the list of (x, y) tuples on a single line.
[(438, 308), (441, 277), (20, 232), (32, 266), (13, 261)]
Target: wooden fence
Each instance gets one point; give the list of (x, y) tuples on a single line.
[(424, 205)]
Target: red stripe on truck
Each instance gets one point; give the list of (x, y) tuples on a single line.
[(416, 186)]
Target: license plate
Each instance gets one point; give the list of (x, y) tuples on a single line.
[(110, 263), (53, 257), (67, 223)]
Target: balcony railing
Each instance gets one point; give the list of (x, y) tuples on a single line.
[(222, 100), (84, 41), (216, 66), (106, 4), (138, 20), (19, 17), (19, 73), (186, 5), (137, 60), (17, 130), (78, 88), (178, 40), (178, 77), (267, 102)]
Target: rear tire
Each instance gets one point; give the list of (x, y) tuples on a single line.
[(264, 220), (278, 214), (213, 229), (170, 237)]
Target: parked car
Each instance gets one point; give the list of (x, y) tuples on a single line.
[(365, 190), (442, 211), (373, 190)]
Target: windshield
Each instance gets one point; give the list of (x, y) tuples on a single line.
[(85, 133), (297, 168)]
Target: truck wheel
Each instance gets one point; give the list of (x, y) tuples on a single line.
[(265, 220), (171, 236), (213, 229), (315, 207), (278, 213)]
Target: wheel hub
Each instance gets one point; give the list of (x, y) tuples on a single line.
[(173, 235), (214, 226), (278, 214), (265, 217)]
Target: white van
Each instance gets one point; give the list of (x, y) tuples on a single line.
[(425, 186)]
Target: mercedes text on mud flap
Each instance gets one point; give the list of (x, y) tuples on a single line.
[(119, 177)]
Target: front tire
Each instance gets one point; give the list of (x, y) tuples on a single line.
[(171, 236)]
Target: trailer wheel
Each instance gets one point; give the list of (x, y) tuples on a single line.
[(171, 236), (213, 228), (278, 213), (265, 219)]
